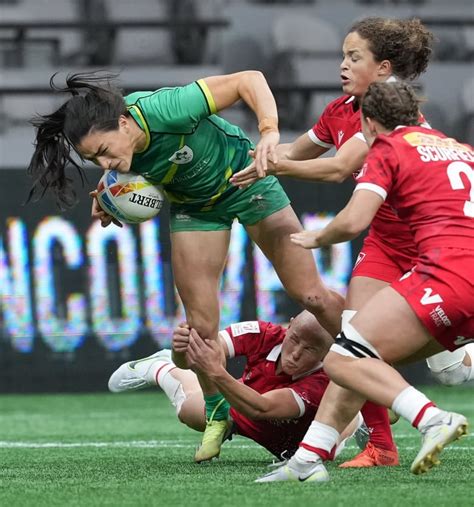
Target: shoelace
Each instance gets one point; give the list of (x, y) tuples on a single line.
[(277, 464), (370, 450), (284, 458)]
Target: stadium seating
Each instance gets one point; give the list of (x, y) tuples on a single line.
[(69, 41), (465, 125), (295, 43), (140, 45)]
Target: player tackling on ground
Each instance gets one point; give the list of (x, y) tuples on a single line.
[(279, 392)]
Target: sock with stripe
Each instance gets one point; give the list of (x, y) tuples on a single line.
[(415, 407), (318, 443), (171, 386)]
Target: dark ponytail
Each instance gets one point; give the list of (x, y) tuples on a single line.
[(95, 104)]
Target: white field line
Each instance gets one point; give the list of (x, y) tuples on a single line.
[(153, 444)]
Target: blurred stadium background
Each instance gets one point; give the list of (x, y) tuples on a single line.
[(77, 300)]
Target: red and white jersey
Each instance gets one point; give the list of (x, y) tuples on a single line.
[(339, 122), (428, 179), (261, 343)]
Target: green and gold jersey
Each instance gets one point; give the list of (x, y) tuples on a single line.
[(189, 150)]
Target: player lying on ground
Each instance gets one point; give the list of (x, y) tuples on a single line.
[(276, 398), (420, 173)]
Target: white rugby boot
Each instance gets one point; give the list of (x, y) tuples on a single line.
[(440, 430), (295, 471), (138, 374)]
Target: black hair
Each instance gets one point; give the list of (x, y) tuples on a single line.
[(95, 104), (391, 104)]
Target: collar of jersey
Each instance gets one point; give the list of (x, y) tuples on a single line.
[(274, 354), (390, 79), (137, 115)]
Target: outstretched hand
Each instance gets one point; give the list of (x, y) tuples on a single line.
[(306, 239), (99, 213)]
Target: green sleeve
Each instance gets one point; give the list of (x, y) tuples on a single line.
[(174, 110)]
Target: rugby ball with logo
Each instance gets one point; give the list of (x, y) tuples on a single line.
[(129, 197)]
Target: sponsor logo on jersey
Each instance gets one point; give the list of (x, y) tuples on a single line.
[(340, 135), (424, 139), (182, 217), (429, 299), (241, 328), (182, 156), (439, 317)]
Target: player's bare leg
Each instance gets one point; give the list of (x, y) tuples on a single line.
[(296, 268), (198, 259), (381, 449)]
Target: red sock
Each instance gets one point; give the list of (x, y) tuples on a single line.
[(322, 453), (376, 418)]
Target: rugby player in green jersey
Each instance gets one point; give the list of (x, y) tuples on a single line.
[(173, 137)]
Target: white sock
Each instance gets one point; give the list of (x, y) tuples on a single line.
[(320, 436), (171, 386), (411, 403)]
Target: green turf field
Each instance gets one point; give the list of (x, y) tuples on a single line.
[(102, 449)]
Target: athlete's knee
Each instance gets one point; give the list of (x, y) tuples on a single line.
[(334, 365), (184, 415), (351, 343), (349, 346)]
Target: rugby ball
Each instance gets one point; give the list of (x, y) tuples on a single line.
[(129, 197)]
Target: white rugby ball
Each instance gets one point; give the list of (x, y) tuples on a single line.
[(129, 197)]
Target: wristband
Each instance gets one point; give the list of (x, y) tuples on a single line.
[(268, 124)]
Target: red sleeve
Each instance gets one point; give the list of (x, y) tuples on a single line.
[(379, 169), (321, 129), (244, 338), (311, 388)]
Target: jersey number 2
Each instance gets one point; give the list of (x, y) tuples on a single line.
[(454, 174)]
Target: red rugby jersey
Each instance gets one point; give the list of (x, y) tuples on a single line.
[(339, 122), (428, 179), (261, 342)]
